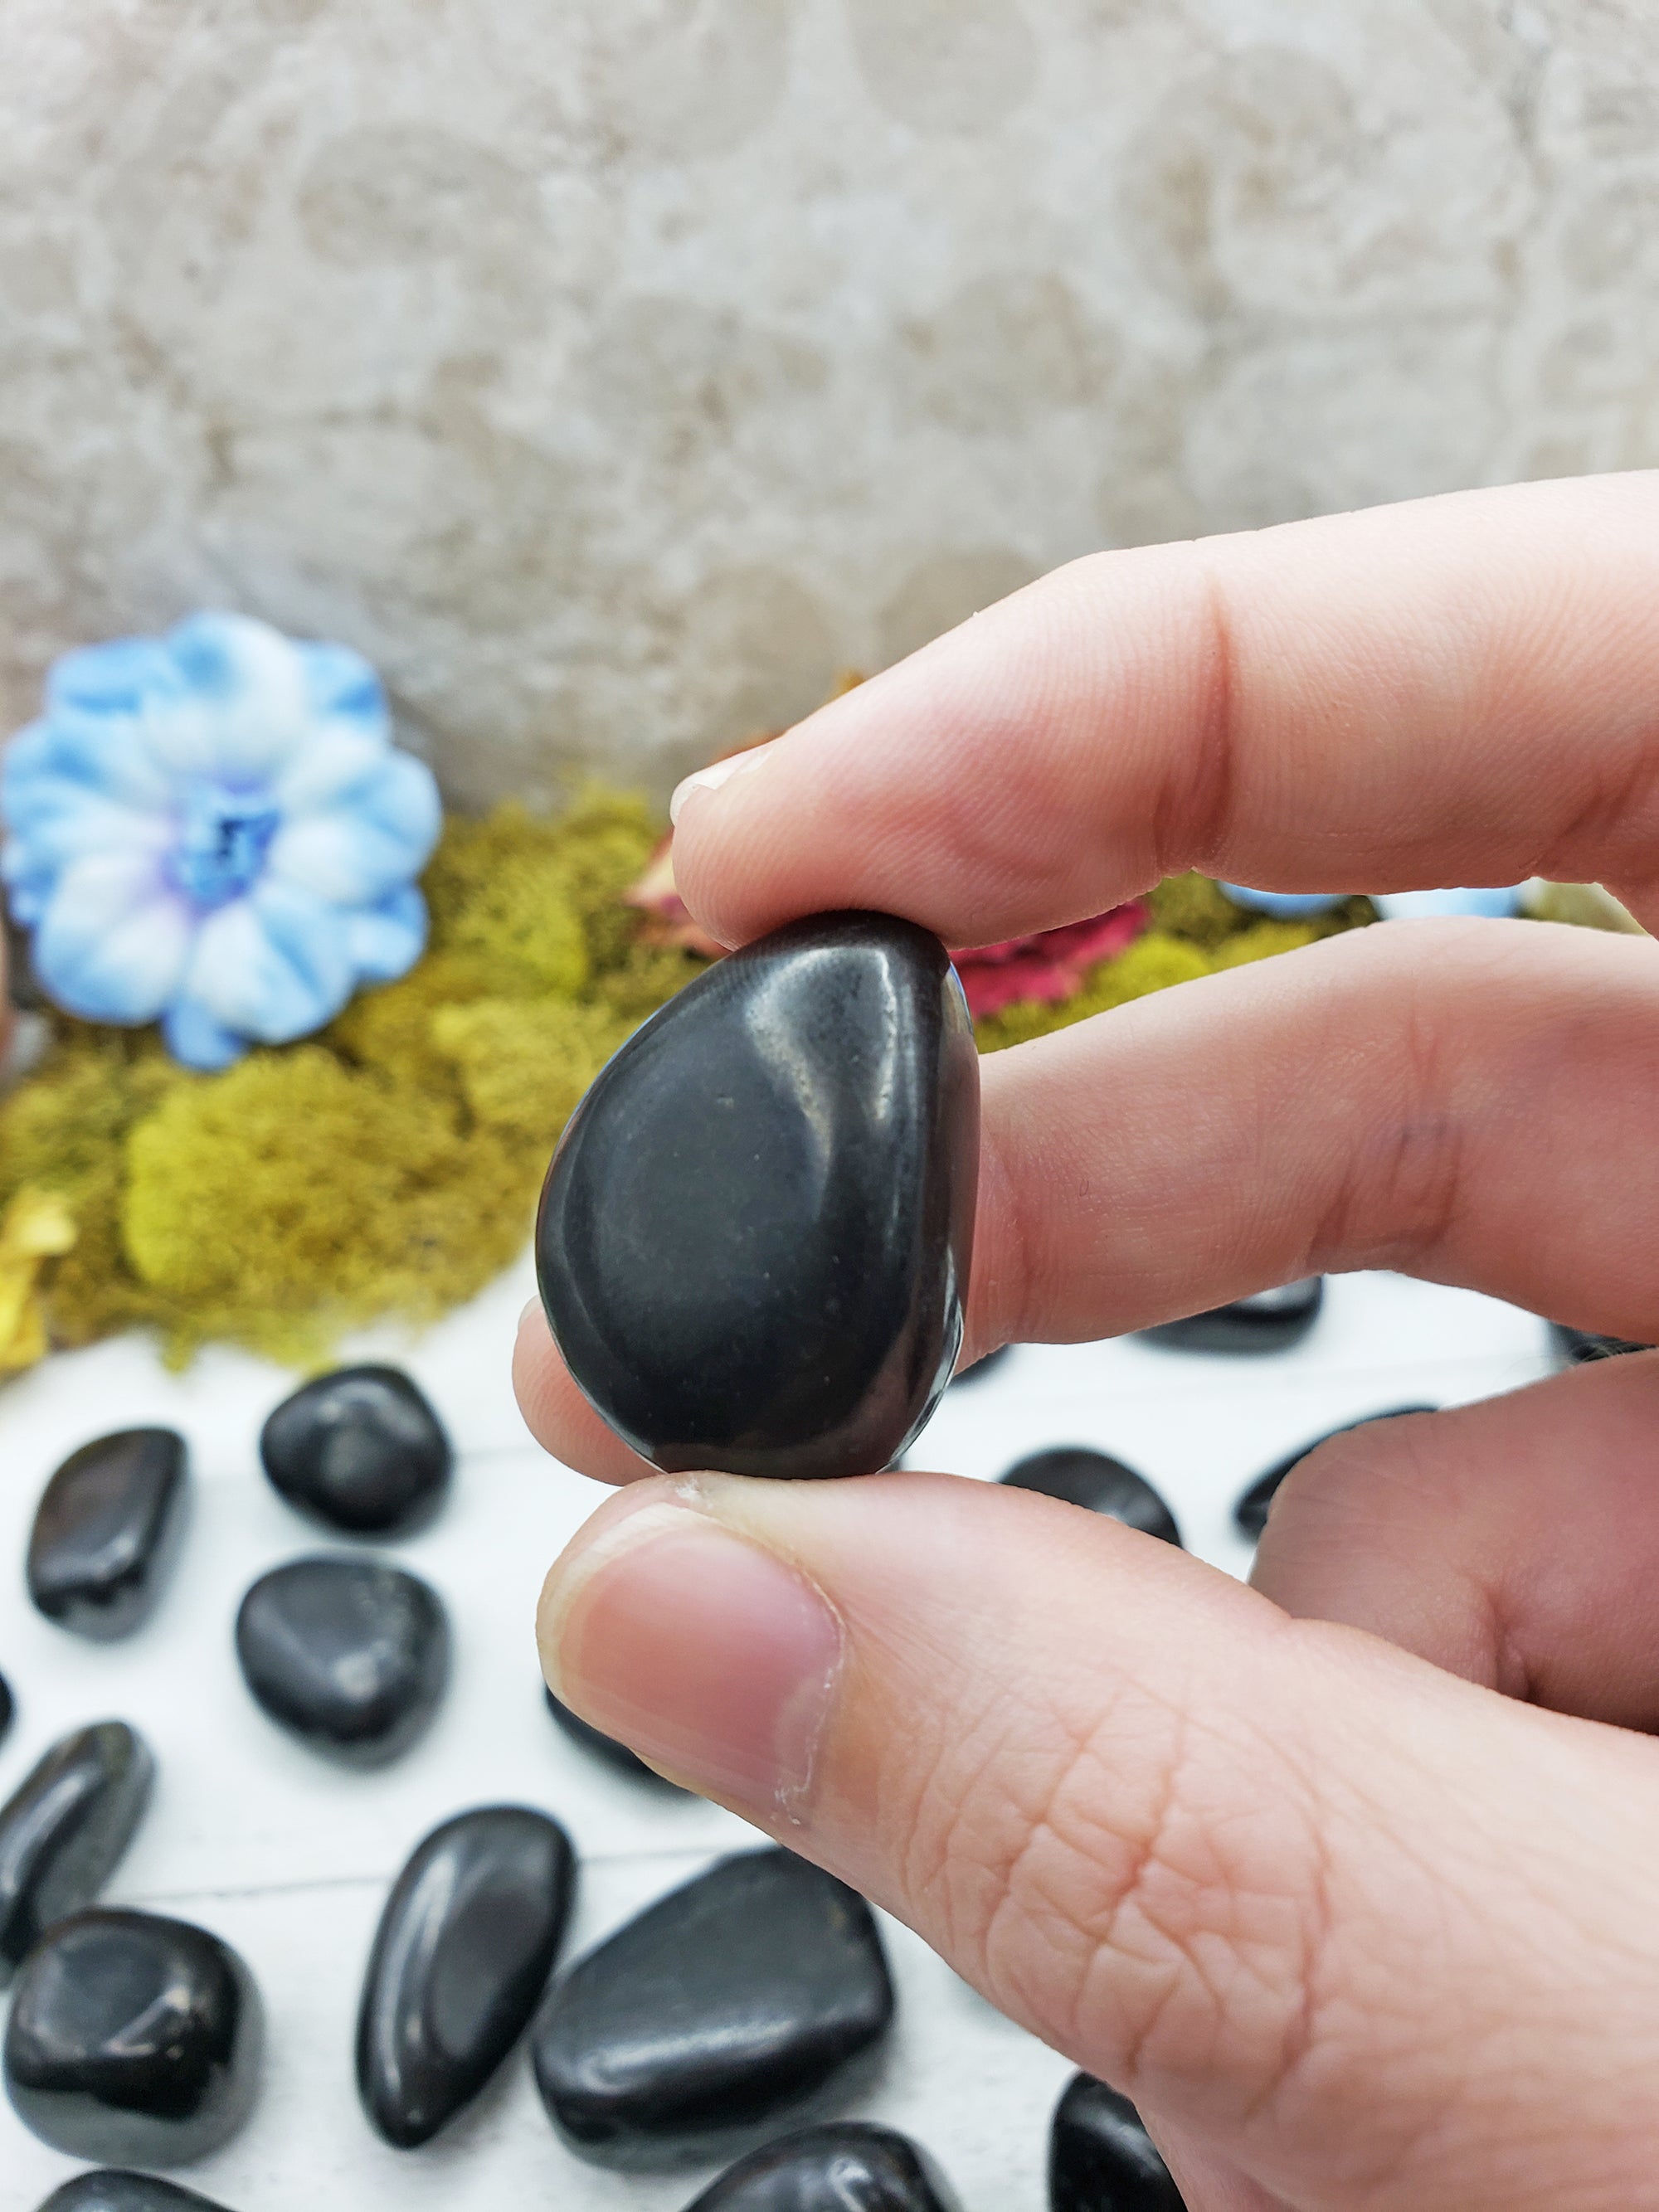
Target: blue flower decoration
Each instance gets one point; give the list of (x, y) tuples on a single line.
[(213, 830)]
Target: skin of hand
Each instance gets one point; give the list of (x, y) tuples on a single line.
[(1347, 1878)]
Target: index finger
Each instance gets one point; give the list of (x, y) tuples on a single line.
[(1460, 691)]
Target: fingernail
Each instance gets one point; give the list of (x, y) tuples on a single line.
[(715, 1659), (711, 778)]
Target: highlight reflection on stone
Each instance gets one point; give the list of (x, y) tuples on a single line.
[(1097, 1482), (755, 1237), (849, 2166), (112, 2188), (63, 1829), (359, 1450), (106, 1530)]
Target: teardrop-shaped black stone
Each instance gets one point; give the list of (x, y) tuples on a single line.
[(359, 1449), (112, 2189), (1101, 2158), (724, 2005), (133, 2039), (607, 1747), (754, 1240), (1269, 1321), (462, 1955), (848, 2167), (351, 1655), (1252, 1510), (1101, 1484), (106, 1531), (64, 1827)]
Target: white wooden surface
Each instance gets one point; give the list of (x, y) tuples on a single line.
[(288, 1858)]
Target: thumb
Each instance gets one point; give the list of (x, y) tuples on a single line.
[(1364, 1933)]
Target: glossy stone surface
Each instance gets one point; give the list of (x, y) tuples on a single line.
[(1096, 1480), (719, 2010), (1582, 1345), (110, 2189), (1101, 2158), (63, 1829), (1271, 1321), (133, 2039), (1251, 1510), (605, 1746), (754, 1240), (351, 1655), (8, 1707), (106, 1532), (361, 1450), (461, 1957), (847, 2167)]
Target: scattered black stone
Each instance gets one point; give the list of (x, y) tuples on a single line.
[(1271, 1321), (846, 2167), (980, 1368), (607, 1747), (1582, 1345), (133, 2039), (351, 1655), (359, 1449), (724, 2006), (64, 1828), (106, 1530), (8, 1707), (1251, 1511), (460, 1959), (110, 2189), (1101, 2158), (754, 1239), (1103, 1485)]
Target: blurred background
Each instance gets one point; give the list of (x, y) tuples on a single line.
[(615, 372)]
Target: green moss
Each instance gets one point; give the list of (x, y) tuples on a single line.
[(524, 1068), (1193, 907), (1152, 962)]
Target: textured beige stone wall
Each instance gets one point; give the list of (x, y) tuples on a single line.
[(615, 371)]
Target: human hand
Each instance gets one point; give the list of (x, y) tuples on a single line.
[(1344, 1878)]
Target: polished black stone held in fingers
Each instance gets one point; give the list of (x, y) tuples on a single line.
[(462, 1955), (1268, 1320), (112, 2189), (1252, 1510), (351, 1656), (848, 2167), (1096, 1480), (133, 2039), (63, 1829), (359, 1449), (722, 2006), (754, 1240), (607, 1747), (106, 1531), (1101, 2158)]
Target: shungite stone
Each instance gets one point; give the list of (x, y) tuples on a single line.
[(1101, 2158), (461, 1958), (724, 2006), (359, 1449), (982, 1368), (351, 1655), (605, 1746), (1583, 1344), (1251, 1511), (754, 1239), (64, 1827), (846, 2167), (8, 1707), (133, 2039), (1271, 1321), (112, 2188), (1103, 1485), (106, 1531)]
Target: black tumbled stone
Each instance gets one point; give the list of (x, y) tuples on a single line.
[(461, 1957), (722, 2007), (106, 1532), (8, 1707), (849, 2166), (112, 2188), (1251, 1511), (359, 1449), (64, 1827), (1581, 1345), (1101, 2158), (1271, 1321), (133, 2039), (351, 1655), (754, 1240), (1103, 1485), (607, 1747)]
